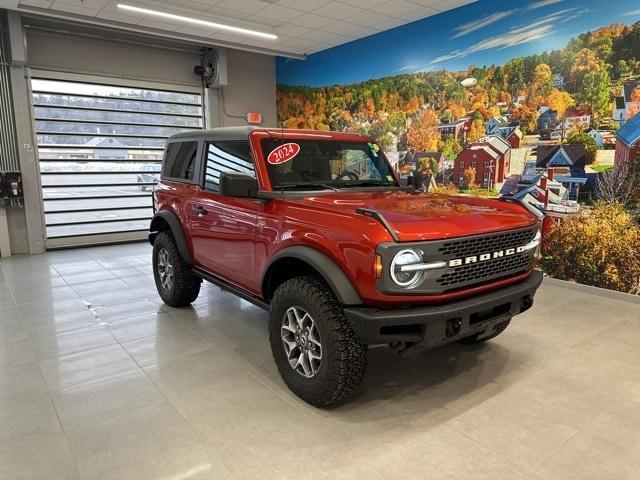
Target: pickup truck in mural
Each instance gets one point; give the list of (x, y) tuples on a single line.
[(315, 227)]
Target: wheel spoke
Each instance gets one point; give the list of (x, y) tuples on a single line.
[(290, 345), (306, 366)]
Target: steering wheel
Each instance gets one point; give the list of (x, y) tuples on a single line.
[(348, 174)]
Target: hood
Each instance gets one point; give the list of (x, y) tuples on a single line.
[(426, 216)]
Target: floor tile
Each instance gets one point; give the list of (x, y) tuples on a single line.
[(145, 443), (86, 366), (95, 401), (37, 456)]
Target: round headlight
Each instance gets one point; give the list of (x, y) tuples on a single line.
[(406, 279)]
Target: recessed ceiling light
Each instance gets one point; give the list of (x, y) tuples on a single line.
[(204, 23)]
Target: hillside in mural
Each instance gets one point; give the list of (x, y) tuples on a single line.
[(588, 72)]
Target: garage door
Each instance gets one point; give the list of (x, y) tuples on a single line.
[(100, 148)]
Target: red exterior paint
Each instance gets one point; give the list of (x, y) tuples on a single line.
[(514, 140), (624, 154), (241, 235), (480, 157)]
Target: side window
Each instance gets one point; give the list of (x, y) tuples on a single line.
[(180, 160), (232, 156)]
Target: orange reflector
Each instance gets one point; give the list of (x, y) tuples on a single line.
[(377, 266)]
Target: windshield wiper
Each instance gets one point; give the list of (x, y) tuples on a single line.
[(369, 183), (286, 186)]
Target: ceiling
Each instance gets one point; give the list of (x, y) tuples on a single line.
[(302, 26)]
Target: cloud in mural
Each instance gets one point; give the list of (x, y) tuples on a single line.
[(474, 25), (542, 3), (487, 20), (516, 36)]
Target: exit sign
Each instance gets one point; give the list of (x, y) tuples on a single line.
[(254, 117)]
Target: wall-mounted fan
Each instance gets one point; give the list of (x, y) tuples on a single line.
[(213, 67)]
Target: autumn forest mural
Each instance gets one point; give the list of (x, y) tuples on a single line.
[(547, 91)]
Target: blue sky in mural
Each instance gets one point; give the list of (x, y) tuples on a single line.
[(482, 33)]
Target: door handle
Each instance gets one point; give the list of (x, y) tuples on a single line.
[(199, 211)]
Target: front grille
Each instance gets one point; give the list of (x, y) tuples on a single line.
[(467, 251), (489, 270), (483, 244)]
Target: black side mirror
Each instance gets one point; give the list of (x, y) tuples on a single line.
[(238, 185)]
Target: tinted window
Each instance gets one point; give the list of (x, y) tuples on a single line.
[(226, 157), (180, 160)]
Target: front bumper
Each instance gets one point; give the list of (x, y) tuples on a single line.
[(431, 326)]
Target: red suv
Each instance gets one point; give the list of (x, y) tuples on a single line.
[(315, 228)]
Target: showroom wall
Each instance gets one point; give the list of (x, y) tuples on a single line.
[(56, 47), (555, 69)]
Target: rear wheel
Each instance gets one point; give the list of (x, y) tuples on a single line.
[(317, 353), (176, 284), (482, 337)]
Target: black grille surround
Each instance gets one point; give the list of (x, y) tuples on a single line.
[(483, 244), (449, 278)]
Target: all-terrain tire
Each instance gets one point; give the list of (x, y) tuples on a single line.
[(185, 286), (344, 354), (475, 339)]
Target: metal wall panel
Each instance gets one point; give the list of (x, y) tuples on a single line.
[(8, 143)]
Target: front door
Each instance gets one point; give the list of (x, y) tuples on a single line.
[(223, 229)]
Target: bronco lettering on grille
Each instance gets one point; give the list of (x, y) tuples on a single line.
[(456, 262)]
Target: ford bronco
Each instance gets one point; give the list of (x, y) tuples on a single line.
[(315, 228)]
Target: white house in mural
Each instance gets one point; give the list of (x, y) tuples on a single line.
[(494, 123), (619, 109), (558, 81), (578, 117), (597, 136)]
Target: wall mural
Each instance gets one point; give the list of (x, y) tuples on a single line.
[(539, 101)]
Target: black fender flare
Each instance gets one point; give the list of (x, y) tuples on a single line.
[(176, 229), (332, 274)]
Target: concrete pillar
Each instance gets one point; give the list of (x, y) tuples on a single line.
[(27, 151)]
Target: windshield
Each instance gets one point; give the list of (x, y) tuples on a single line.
[(328, 164)]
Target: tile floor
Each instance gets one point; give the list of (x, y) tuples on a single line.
[(99, 380)]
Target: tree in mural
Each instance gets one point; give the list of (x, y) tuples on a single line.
[(595, 92), (598, 247), (634, 108), (450, 147), (477, 128), (527, 116), (470, 178), (422, 134), (559, 101)]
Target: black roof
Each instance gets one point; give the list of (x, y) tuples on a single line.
[(242, 133), (222, 133), (620, 103), (575, 152)]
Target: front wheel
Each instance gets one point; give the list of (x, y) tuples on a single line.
[(176, 284), (318, 355)]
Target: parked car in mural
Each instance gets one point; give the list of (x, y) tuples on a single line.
[(314, 227)]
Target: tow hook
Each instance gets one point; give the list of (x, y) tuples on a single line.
[(454, 326)]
